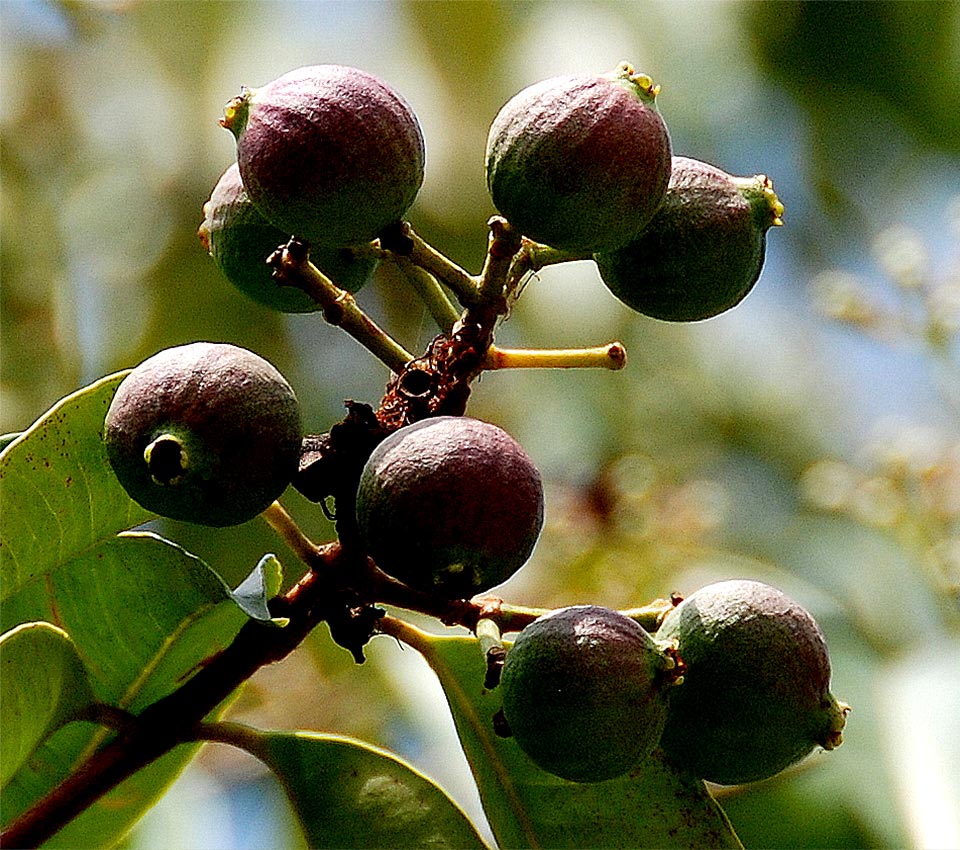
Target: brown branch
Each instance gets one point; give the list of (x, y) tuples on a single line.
[(338, 588), (169, 721)]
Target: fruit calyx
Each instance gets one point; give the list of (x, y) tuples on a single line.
[(758, 190), (167, 459), (643, 84), (837, 711), (236, 112)]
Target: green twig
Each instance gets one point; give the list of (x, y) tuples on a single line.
[(532, 257), (501, 249), (292, 267), (424, 255), (612, 356), (441, 308), (650, 616), (287, 529)]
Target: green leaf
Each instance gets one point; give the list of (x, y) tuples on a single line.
[(58, 495), (43, 685), (258, 588), (143, 615), (7, 439), (349, 794), (653, 806)]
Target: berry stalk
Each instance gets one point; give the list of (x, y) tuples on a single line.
[(292, 267)]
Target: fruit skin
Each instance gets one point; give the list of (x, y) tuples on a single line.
[(450, 505), (328, 153), (756, 691), (240, 239), (206, 432), (585, 692), (703, 250), (580, 162)]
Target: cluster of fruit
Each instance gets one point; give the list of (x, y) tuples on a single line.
[(584, 164), (734, 686)]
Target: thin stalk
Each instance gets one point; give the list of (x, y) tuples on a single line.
[(287, 529), (612, 356), (293, 268), (533, 256), (441, 308), (230, 732), (650, 616), (503, 246), (488, 633), (461, 282)]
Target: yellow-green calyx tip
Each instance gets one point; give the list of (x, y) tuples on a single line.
[(833, 737), (643, 82), (773, 202), (758, 190), (236, 111)]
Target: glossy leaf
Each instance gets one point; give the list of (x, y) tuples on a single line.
[(653, 806), (143, 615), (7, 439), (58, 495), (43, 685), (349, 794)]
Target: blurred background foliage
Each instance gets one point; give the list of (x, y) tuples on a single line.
[(808, 438)]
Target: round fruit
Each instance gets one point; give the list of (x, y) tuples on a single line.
[(450, 505), (240, 239), (584, 692), (756, 692), (328, 153), (207, 432), (703, 250), (580, 163)]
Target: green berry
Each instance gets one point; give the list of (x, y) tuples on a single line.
[(756, 691), (207, 433), (585, 692), (703, 250), (328, 153), (580, 163), (450, 505), (240, 239)]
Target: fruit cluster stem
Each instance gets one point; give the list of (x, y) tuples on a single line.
[(428, 289), (288, 530), (292, 267), (533, 256), (428, 258), (612, 356), (501, 249)]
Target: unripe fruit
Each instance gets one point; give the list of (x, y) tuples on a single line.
[(450, 505), (327, 153), (207, 433), (756, 692), (580, 163), (703, 250), (584, 692), (240, 239)]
